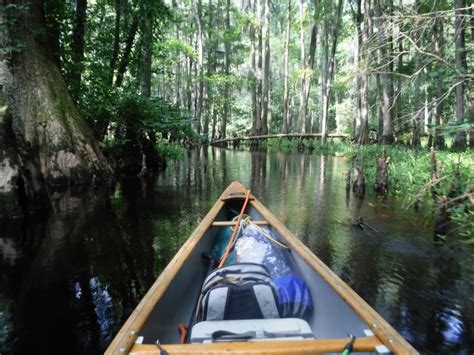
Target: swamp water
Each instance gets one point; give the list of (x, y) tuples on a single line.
[(70, 278)]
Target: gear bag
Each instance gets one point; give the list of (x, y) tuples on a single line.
[(293, 293), (239, 291)]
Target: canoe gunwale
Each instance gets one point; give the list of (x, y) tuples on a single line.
[(127, 335), (378, 325)]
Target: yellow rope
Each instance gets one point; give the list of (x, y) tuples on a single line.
[(265, 234), (247, 221)]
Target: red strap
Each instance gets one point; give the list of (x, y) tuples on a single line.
[(183, 329), (231, 241)]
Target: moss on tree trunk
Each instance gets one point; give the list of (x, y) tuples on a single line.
[(49, 141)]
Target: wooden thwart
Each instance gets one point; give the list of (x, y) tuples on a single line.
[(232, 223), (367, 344)]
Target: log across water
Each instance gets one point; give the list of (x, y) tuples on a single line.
[(288, 135)]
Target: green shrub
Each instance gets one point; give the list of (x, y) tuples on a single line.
[(168, 150)]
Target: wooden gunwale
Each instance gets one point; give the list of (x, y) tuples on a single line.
[(127, 335), (379, 326), (263, 347)]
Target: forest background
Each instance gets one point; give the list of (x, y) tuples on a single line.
[(150, 76)]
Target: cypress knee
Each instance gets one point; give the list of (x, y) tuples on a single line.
[(381, 182), (358, 186)]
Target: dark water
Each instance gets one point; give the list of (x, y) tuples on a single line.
[(70, 278)]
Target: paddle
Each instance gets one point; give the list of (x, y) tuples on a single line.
[(236, 228)]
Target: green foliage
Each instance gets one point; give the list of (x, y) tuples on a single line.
[(10, 15), (142, 114), (169, 150), (175, 46), (463, 219), (176, 59)]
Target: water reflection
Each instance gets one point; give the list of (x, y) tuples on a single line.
[(69, 279)]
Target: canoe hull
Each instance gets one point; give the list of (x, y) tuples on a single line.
[(338, 310)]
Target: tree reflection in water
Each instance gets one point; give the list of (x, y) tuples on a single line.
[(71, 277)]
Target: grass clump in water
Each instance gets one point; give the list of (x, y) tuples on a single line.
[(410, 175)]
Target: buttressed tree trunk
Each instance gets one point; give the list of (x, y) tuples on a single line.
[(43, 139)]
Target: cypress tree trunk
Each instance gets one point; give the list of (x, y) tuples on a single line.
[(189, 80), (253, 72), (330, 70), (77, 55), (301, 113), (459, 142), (285, 126), (379, 103), (387, 135), (266, 70), (257, 125), (439, 46), (200, 68), (178, 96), (364, 82), (225, 116), (128, 48), (416, 113), (146, 55), (309, 72), (116, 46), (357, 58), (45, 141), (324, 71)]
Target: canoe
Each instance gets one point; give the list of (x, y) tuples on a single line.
[(171, 301)]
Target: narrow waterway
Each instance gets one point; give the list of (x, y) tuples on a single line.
[(71, 277)]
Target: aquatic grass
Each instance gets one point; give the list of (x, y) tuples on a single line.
[(409, 170), (409, 174)]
